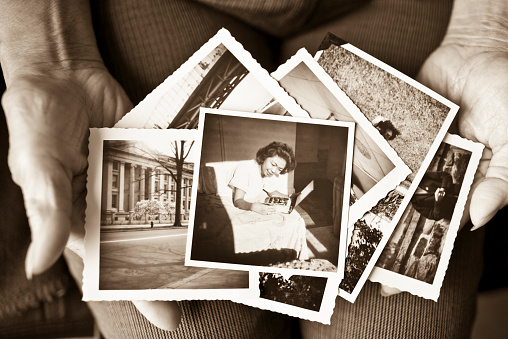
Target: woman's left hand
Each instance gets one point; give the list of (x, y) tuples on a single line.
[(474, 74)]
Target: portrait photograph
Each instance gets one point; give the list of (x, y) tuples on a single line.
[(272, 193), (417, 254)]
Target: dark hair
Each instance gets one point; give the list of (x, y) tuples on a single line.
[(282, 150)]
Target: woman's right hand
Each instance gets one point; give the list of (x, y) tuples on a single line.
[(262, 208), (58, 87)]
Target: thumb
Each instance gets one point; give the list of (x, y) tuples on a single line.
[(489, 197), (163, 314), (387, 291), (491, 193), (47, 193)]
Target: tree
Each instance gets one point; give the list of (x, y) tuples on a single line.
[(181, 152), (360, 252), (151, 208), (172, 164)]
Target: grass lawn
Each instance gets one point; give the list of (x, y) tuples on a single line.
[(378, 93)]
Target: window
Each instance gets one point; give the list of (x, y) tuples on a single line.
[(115, 165), (115, 181), (114, 201)]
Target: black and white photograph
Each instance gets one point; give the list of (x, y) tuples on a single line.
[(377, 168), (421, 244), (221, 74), (272, 193), (411, 118), (302, 296), (140, 184)]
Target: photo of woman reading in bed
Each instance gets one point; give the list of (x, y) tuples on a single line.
[(253, 181), (249, 203)]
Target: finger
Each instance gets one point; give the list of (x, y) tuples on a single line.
[(491, 193), (387, 291), (489, 197), (47, 197), (163, 314)]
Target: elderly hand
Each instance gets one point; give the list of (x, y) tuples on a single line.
[(477, 80), (471, 69), (58, 87), (48, 117)]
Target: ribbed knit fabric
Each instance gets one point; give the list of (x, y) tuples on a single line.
[(401, 33), (142, 43), (201, 319), (407, 316)]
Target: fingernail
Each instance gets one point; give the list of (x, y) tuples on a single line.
[(28, 263), (474, 228)]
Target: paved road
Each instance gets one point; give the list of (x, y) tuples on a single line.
[(154, 259)]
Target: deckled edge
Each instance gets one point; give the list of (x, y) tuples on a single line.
[(322, 316), (394, 177), (453, 109), (91, 291), (414, 286), (137, 117)]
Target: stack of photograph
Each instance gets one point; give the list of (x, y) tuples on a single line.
[(280, 191)]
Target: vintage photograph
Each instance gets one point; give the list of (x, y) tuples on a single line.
[(406, 113), (140, 184), (272, 193), (221, 74), (377, 168), (412, 118), (305, 297), (421, 244)]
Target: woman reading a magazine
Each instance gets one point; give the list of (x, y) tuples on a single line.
[(71, 65), (253, 180)]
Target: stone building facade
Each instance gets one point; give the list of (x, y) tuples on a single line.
[(131, 174)]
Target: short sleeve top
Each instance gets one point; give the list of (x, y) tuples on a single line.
[(247, 177)]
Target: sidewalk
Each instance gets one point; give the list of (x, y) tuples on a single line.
[(139, 227)]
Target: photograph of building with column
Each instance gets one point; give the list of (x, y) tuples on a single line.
[(139, 184)]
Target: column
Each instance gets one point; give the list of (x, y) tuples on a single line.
[(142, 174), (132, 187), (152, 184), (161, 187), (121, 186), (109, 185), (185, 195)]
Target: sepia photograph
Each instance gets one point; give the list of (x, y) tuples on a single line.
[(377, 168), (221, 74), (417, 254), (412, 119), (302, 296), (300, 291), (140, 184), (272, 193)]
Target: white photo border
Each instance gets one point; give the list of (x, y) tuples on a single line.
[(91, 272), (351, 297), (347, 183), (400, 170), (138, 116), (415, 286), (323, 315)]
